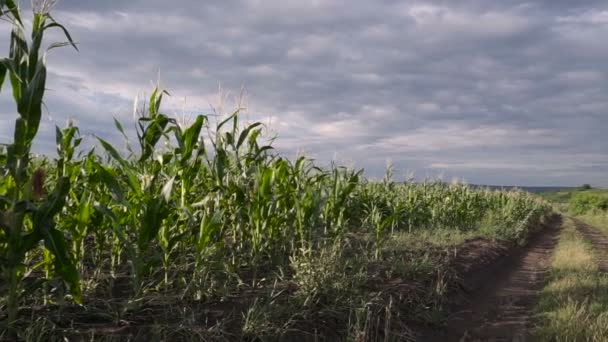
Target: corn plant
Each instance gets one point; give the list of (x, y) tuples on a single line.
[(141, 209), (27, 213)]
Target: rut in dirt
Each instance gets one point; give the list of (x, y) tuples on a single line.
[(598, 240), (502, 309)]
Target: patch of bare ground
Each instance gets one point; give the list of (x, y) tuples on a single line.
[(598, 240), (500, 297)]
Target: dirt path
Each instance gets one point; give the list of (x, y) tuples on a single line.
[(502, 309), (599, 241)]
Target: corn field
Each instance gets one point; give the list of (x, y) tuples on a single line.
[(180, 202)]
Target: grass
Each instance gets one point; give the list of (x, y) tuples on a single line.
[(560, 197), (598, 219), (574, 302)]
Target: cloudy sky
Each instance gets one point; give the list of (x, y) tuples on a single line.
[(496, 92)]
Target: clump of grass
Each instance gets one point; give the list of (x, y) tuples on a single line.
[(325, 275), (596, 218), (574, 303)]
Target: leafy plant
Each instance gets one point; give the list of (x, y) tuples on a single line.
[(27, 213)]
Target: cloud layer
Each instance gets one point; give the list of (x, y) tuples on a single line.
[(507, 92)]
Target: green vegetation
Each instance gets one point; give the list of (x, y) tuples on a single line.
[(591, 207), (574, 303), (564, 196), (587, 204), (201, 231), (24, 222), (559, 197)]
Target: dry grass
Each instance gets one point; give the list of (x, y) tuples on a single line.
[(597, 219), (574, 303)]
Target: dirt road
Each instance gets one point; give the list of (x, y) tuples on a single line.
[(501, 310), (599, 241)]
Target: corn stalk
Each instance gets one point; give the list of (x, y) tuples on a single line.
[(27, 214)]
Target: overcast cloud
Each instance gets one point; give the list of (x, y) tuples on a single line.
[(496, 92)]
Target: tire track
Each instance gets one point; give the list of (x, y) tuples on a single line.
[(599, 241), (503, 309)]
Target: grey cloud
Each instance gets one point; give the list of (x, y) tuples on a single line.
[(356, 79)]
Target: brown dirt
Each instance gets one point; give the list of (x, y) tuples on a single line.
[(501, 308), (599, 241)]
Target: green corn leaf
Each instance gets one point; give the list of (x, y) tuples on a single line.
[(65, 31), (113, 152), (190, 137), (5, 201), (165, 158), (16, 85), (300, 163), (29, 242), (152, 134), (126, 167), (36, 41), (262, 150), (245, 133), (155, 101), (117, 228), (85, 210), (19, 49), (25, 207), (228, 119), (55, 242), (58, 137), (151, 222), (209, 229), (124, 135), (3, 71), (119, 127), (12, 8), (153, 104), (179, 138), (254, 137), (43, 223), (229, 138), (54, 203), (57, 45), (267, 179), (221, 164), (30, 103), (10, 67), (66, 144), (20, 134), (173, 241), (109, 178)]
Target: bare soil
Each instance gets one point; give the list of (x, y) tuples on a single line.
[(502, 295)]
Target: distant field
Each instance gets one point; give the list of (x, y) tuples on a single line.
[(532, 189), (564, 195), (589, 205)]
